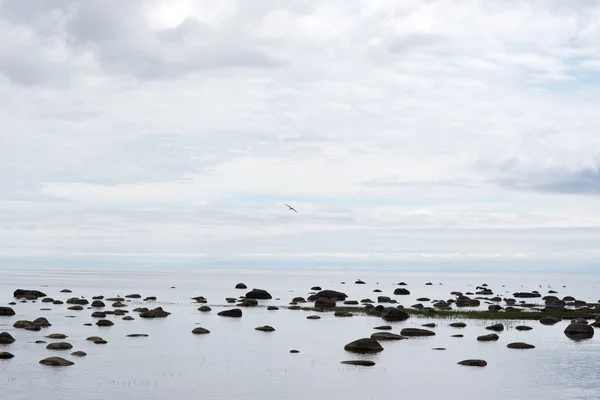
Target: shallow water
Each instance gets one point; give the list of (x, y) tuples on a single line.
[(236, 361)]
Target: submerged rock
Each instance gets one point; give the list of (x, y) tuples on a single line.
[(492, 337), (383, 336), (105, 322), (394, 314), (473, 363), (233, 313), (56, 362), (4, 355), (520, 345), (79, 353), (579, 331), (416, 332), (6, 312), (523, 328), (6, 338), (361, 363), (258, 294), (59, 346), (57, 336), (28, 294), (383, 328), (364, 346), (549, 320), (200, 331), (265, 328), (331, 294), (158, 312), (495, 327)]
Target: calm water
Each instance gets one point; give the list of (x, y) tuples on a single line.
[(235, 361)]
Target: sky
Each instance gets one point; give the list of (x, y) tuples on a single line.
[(400, 131)]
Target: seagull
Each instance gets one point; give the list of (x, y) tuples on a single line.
[(291, 208)]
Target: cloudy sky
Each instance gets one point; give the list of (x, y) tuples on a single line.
[(400, 130)]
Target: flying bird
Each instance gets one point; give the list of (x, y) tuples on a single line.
[(291, 208)]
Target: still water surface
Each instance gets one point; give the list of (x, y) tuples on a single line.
[(236, 361)]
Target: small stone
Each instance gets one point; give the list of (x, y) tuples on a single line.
[(520, 345), (361, 363), (265, 328), (473, 363), (79, 353), (56, 362), (200, 331)]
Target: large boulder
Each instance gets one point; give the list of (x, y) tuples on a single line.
[(473, 363), (158, 312), (6, 338), (401, 291), (331, 294), (324, 302), (104, 322), (241, 286), (495, 327), (59, 346), (56, 362), (416, 332), (492, 337), (393, 314), (258, 294), (364, 346), (549, 320), (6, 312), (233, 313), (578, 331), (98, 304), (28, 294)]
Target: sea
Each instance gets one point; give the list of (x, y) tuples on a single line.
[(236, 361)]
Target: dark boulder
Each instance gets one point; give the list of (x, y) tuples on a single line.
[(492, 337), (313, 317), (104, 322), (6, 338), (331, 294), (341, 313), (233, 313), (59, 346), (364, 346), (79, 354), (241, 286), (133, 296), (495, 327), (401, 291), (523, 328), (359, 282), (549, 320), (158, 312), (383, 299), (412, 332), (526, 295), (360, 363), (200, 331), (98, 304), (28, 294), (324, 302), (383, 328), (393, 314), (315, 288), (6, 312), (265, 328), (248, 303), (205, 309), (383, 336), (56, 362), (57, 336), (579, 331), (473, 363), (42, 321), (272, 308), (98, 314), (4, 355), (138, 335), (458, 325), (520, 345), (258, 294)]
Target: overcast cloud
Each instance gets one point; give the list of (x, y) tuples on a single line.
[(397, 129)]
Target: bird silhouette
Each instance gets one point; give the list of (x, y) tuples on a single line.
[(291, 208)]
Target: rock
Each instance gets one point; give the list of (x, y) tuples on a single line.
[(495, 328), (199, 299), (200, 331), (457, 336), (393, 314), (66, 291), (98, 314), (79, 354), (43, 322), (27, 325), (133, 296), (494, 307), (294, 308), (473, 363), (137, 335), (549, 320), (402, 284), (40, 342), (158, 312), (351, 302), (98, 304), (458, 325), (383, 299), (57, 336), (265, 328), (6, 312), (429, 325), (47, 300), (248, 303), (359, 282), (416, 332), (118, 304), (579, 331), (377, 291), (6, 338), (95, 339), (233, 313), (361, 363), (423, 299), (428, 284), (342, 314), (520, 345), (258, 294), (313, 317), (76, 308), (523, 328), (5, 355), (401, 291), (28, 294), (364, 346), (293, 351), (383, 328), (316, 288), (104, 322), (332, 295), (324, 302), (205, 309), (272, 308), (57, 302), (97, 297), (492, 337), (113, 299), (127, 318), (298, 300), (56, 362), (383, 336), (59, 346), (241, 286), (77, 301), (150, 298), (526, 295)]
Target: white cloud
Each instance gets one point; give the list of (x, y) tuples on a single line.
[(183, 126)]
